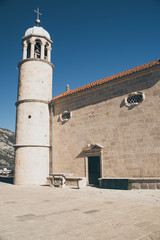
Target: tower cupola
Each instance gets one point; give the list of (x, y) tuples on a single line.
[(37, 42)]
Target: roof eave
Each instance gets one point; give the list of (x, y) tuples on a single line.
[(132, 74)]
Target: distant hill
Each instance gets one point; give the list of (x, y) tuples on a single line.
[(7, 140)]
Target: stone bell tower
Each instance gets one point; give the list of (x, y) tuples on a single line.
[(33, 118)]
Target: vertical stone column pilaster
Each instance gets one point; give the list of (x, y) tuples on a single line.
[(24, 50), (42, 50), (49, 53)]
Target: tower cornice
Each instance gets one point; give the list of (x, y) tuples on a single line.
[(31, 100), (35, 59), (36, 35)]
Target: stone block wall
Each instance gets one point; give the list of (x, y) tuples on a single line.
[(145, 183), (130, 135)]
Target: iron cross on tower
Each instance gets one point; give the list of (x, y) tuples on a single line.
[(38, 13)]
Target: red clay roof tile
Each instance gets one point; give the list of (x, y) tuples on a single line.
[(110, 78)]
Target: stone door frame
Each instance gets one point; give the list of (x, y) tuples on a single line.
[(93, 150)]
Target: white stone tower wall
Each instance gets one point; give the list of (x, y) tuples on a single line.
[(32, 117), (32, 128), (35, 80), (32, 147), (32, 165)]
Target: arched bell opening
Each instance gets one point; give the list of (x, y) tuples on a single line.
[(28, 49), (46, 51), (37, 49)]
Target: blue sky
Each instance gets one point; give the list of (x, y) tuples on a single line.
[(92, 39)]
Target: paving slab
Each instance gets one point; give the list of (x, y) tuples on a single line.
[(42, 212)]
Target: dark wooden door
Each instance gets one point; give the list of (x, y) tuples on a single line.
[(93, 170)]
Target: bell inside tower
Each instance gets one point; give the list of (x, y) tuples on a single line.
[(37, 49)]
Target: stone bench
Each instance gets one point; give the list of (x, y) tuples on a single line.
[(57, 180), (78, 182), (62, 180)]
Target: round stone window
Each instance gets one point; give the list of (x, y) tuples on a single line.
[(65, 116), (134, 98)]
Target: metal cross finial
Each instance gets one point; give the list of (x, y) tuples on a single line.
[(38, 13)]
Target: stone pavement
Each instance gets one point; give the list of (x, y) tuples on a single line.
[(48, 213)]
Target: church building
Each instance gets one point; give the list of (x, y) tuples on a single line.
[(105, 133)]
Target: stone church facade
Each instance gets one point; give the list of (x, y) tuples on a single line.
[(102, 123), (105, 131)]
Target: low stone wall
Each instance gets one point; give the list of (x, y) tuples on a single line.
[(121, 184), (145, 183), (127, 184)]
